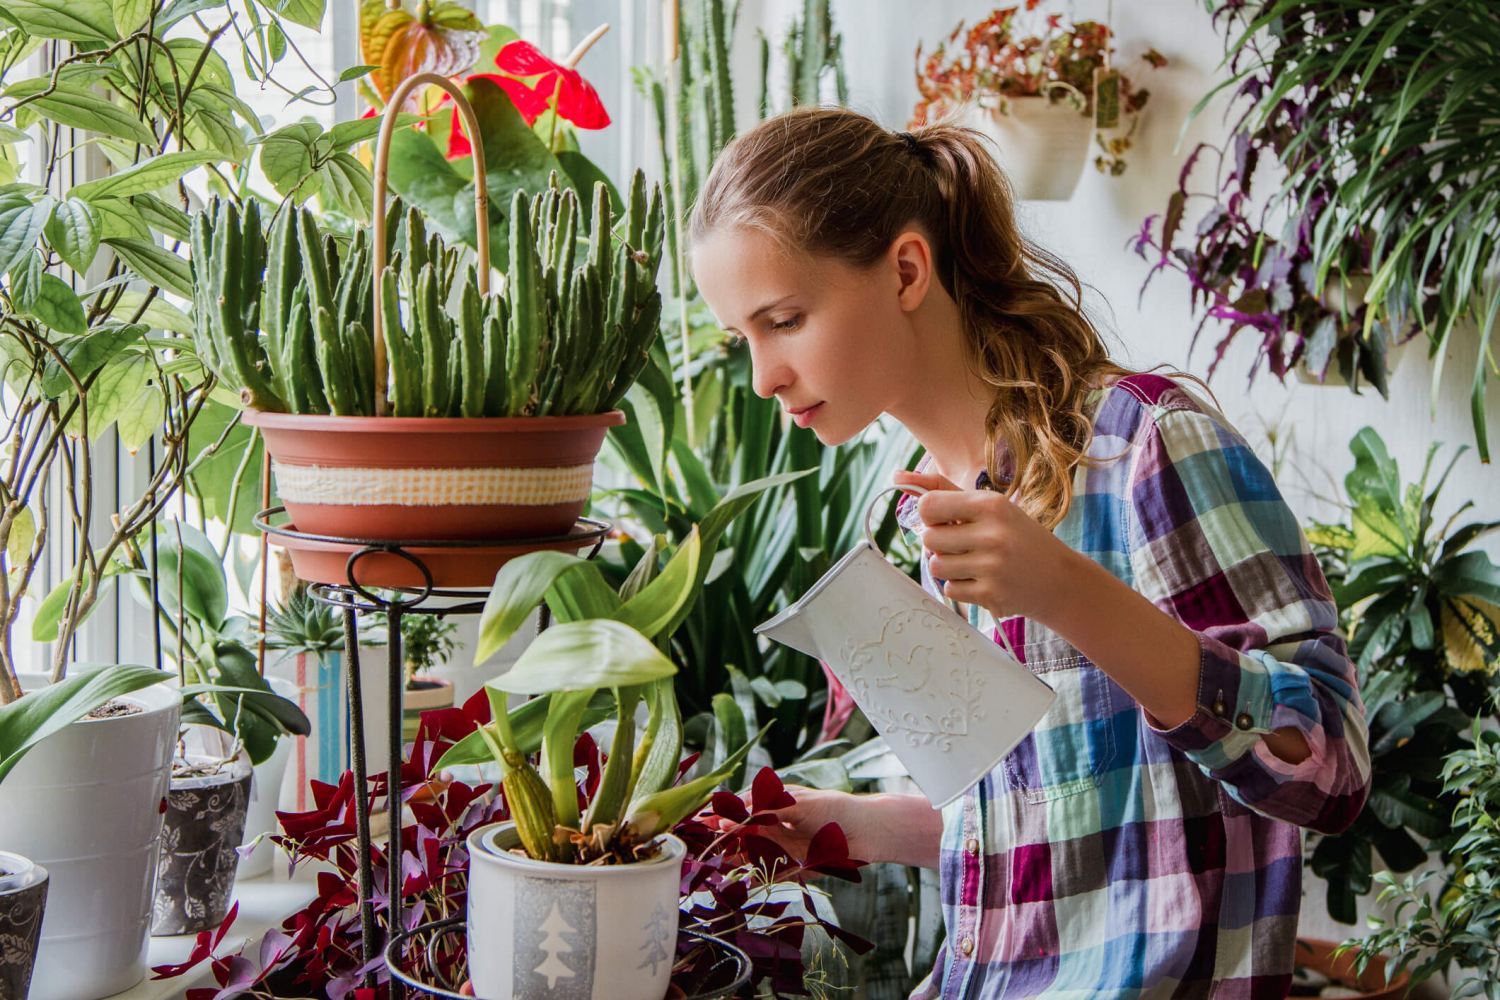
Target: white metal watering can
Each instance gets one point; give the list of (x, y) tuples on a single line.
[(948, 700)]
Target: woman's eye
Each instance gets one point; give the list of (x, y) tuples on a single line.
[(787, 325)]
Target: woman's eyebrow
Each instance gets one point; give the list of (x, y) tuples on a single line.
[(763, 309)]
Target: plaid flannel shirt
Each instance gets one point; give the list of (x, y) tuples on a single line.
[(1106, 857)]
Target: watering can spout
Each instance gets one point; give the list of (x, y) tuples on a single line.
[(790, 628)]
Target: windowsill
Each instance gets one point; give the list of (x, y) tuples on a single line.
[(264, 903)]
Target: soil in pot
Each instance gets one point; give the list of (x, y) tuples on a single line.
[(113, 710), (203, 824), (23, 899)]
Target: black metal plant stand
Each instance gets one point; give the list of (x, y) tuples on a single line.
[(355, 600)]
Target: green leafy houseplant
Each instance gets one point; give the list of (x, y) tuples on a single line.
[(89, 264), (560, 338), (426, 642), (604, 639), (1416, 602), (1461, 926), (1375, 112)]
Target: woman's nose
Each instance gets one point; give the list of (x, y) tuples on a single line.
[(768, 375)]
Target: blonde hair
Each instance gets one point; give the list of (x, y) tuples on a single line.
[(831, 182)]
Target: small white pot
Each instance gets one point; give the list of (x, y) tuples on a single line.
[(1042, 146), (86, 803), (570, 932)]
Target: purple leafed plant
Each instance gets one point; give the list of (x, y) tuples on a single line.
[(727, 878), (1246, 274)]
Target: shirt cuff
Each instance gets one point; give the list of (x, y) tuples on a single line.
[(1235, 703)]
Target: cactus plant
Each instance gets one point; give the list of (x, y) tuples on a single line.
[(561, 338)]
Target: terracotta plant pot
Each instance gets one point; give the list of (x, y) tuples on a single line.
[(1317, 956), (590, 932), (201, 828), (1042, 146), (23, 898), (433, 479)]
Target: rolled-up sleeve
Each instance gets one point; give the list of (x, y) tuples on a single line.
[(1214, 545)]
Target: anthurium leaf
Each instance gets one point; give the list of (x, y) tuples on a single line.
[(526, 723), (158, 265), (573, 656), (21, 225), (32, 718), (519, 588), (585, 174), (205, 591), (78, 107), (73, 232)]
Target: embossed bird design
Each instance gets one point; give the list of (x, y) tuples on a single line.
[(911, 673)]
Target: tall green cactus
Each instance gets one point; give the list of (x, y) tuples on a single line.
[(565, 335)]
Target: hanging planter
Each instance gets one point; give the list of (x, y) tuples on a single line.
[(1043, 145), (202, 826), (402, 401), (23, 898)]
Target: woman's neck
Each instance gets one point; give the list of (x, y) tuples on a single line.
[(945, 404)]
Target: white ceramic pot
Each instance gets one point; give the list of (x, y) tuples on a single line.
[(570, 932), (86, 803), (1042, 146), (948, 700)]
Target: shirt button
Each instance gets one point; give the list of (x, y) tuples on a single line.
[(1244, 721), (1218, 708), (967, 947), (972, 847)]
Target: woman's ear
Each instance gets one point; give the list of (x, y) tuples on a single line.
[(911, 258)]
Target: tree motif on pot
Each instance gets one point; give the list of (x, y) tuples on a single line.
[(556, 940)]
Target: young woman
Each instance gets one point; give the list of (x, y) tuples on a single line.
[(1146, 839)]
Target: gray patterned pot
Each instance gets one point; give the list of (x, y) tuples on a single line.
[(23, 897), (203, 824)]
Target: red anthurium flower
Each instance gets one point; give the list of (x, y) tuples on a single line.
[(577, 101)]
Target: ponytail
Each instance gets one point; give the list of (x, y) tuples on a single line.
[(831, 182)]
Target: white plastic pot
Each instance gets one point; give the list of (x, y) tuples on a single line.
[(86, 804), (570, 932), (1042, 146)]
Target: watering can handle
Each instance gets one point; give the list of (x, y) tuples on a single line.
[(869, 511)]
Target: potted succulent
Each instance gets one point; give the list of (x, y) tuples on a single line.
[(309, 635), (1040, 96), (509, 394)]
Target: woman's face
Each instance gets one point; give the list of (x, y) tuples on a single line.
[(827, 340)]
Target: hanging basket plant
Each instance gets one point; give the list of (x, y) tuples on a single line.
[(1038, 95), (400, 398)]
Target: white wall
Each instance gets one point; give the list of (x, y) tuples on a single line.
[(1092, 229)]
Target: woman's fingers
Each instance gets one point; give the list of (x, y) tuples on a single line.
[(926, 480), (954, 539)]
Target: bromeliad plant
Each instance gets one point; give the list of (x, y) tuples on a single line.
[(560, 339)]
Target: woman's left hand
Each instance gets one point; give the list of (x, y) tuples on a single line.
[(989, 551)]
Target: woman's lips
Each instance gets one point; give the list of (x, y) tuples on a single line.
[(803, 418)]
